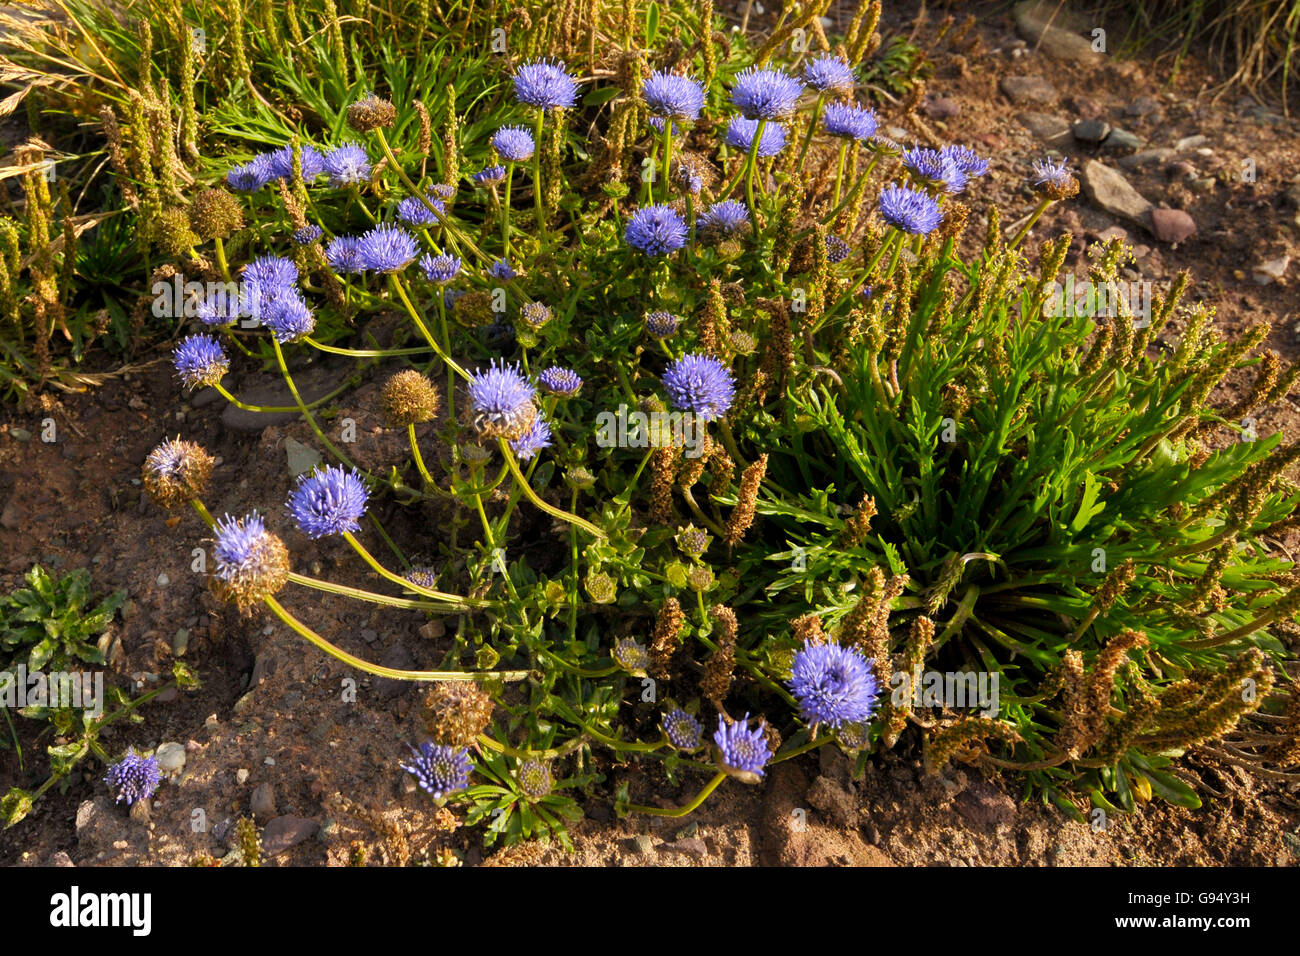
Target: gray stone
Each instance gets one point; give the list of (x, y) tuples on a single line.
[(1122, 139), (941, 107), (180, 641), (1190, 142), (285, 832), (1172, 225), (262, 803), (302, 458), (1044, 26), (1028, 90), (692, 846), (984, 806), (171, 757), (241, 420), (1090, 131), (1143, 106), (644, 844), (20, 434), (1112, 193), (1049, 128), (1271, 271), (61, 858)]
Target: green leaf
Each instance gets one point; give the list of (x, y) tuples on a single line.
[(651, 24), (15, 805)]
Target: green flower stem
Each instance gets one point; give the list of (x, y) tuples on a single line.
[(505, 211), (371, 597), (396, 674), (484, 741), (812, 127), (751, 166), (689, 808), (667, 170), (273, 409), (625, 746), (400, 289), (220, 249), (415, 453), (810, 745), (446, 343), (523, 484), (362, 353), (839, 173), (454, 599), (311, 419), (356, 198), (849, 199), (1033, 218), (537, 178)]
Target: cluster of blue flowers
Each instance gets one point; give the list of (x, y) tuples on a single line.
[(134, 777), (346, 165)]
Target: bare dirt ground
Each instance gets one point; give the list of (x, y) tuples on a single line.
[(271, 733)]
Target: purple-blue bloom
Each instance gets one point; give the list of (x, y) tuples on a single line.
[(829, 74), (532, 441), (200, 360), (560, 381), (545, 85), (700, 384), (1053, 174), (656, 230), (348, 165), (850, 121), (329, 501), (661, 324), (387, 248), (834, 685), (503, 270), (741, 749), (909, 210), (967, 160), (837, 250), (241, 548), (726, 218), (288, 317), (280, 162), (935, 167), (514, 144), (740, 134), (440, 269), (439, 769), (672, 96), (765, 94), (501, 394), (413, 211), (683, 731), (307, 234), (250, 176), (271, 274), (422, 576), (489, 176), (343, 253), (134, 777), (219, 307)]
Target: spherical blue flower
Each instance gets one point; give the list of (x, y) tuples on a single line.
[(503, 270), (689, 178), (740, 134), (656, 230), (829, 74), (727, 218), (288, 316), (439, 769), (490, 176), (967, 160), (514, 144), (545, 85), (532, 441), (535, 314), (837, 250), (672, 96), (200, 360), (387, 248), (935, 167), (683, 731), (329, 501), (343, 253), (268, 278), (134, 777), (834, 685), (251, 176), (503, 399), (422, 576), (768, 94), (849, 121), (440, 269), (281, 162), (246, 554), (1057, 175), (660, 324), (909, 210), (559, 381), (742, 751), (414, 212), (307, 234), (700, 384), (443, 191), (220, 306), (348, 165)]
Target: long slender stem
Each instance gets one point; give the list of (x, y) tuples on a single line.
[(383, 572), (400, 289), (523, 484), (682, 811)]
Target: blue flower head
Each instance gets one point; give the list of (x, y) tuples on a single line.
[(289, 317), (559, 381), (219, 307), (656, 230), (837, 250), (251, 562), (700, 384), (307, 234), (250, 176), (545, 85), (414, 212), (909, 210), (514, 144), (271, 275), (281, 162), (934, 167), (200, 360), (502, 399), (422, 576), (849, 121), (348, 165), (740, 134), (765, 94), (532, 441), (834, 685), (1054, 180), (134, 777), (724, 219), (535, 314), (829, 74), (490, 176), (387, 248), (440, 269), (661, 324), (742, 752), (343, 253), (683, 731), (968, 161), (503, 270), (439, 769), (329, 501), (671, 96)]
